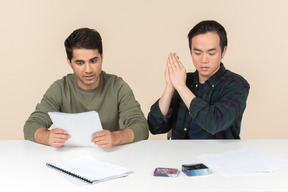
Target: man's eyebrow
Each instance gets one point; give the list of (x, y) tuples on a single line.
[(213, 49), (195, 49), (93, 58), (79, 60), (209, 50)]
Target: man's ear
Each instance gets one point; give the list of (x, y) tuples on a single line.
[(69, 62), (223, 52)]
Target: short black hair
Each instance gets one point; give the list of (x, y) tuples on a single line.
[(83, 38), (209, 26)]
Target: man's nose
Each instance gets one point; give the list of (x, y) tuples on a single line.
[(88, 68), (204, 58)]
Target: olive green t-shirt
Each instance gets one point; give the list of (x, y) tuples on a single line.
[(113, 99)]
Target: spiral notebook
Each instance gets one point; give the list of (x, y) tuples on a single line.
[(89, 169)]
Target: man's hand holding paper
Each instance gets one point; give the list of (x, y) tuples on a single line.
[(74, 129), (55, 137), (106, 138)]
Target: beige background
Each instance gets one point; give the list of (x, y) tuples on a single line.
[(137, 37)]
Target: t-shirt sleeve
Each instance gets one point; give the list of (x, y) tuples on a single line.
[(39, 118), (131, 114)]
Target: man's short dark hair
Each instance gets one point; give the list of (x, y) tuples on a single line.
[(83, 38), (209, 26)]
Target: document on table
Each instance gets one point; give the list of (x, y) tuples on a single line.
[(242, 162), (80, 126), (89, 169)]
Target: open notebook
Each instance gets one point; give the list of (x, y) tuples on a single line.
[(89, 169)]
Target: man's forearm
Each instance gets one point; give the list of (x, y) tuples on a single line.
[(165, 100), (123, 136), (41, 135), (186, 95)]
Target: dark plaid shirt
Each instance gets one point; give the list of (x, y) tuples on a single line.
[(218, 112)]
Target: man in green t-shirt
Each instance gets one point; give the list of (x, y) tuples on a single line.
[(88, 88)]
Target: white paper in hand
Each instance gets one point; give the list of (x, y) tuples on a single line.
[(80, 126)]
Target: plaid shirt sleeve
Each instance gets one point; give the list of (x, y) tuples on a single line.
[(226, 108), (157, 122)]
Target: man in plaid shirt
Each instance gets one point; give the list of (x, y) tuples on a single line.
[(206, 104)]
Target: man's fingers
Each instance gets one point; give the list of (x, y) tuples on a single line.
[(101, 133), (171, 62), (57, 130), (57, 144), (58, 137), (102, 142), (176, 61), (102, 138), (179, 62), (104, 146), (60, 134), (63, 137), (98, 139), (58, 141)]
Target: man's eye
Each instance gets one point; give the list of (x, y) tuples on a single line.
[(213, 53), (79, 63), (94, 61), (197, 53)]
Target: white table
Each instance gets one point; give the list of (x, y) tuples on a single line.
[(23, 166)]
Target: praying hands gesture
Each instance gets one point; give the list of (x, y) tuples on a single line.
[(175, 75), (175, 72)]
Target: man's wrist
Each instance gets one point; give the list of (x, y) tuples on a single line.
[(169, 89), (122, 136), (41, 135), (181, 88), (186, 95)]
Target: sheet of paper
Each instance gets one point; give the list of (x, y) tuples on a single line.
[(80, 126), (242, 162)]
